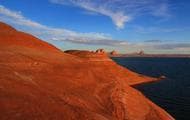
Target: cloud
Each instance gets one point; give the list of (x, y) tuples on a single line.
[(157, 29), (162, 10), (121, 11), (118, 17), (48, 33), (153, 41), (154, 45), (172, 46), (9, 15)]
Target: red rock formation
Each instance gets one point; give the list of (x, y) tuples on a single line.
[(113, 52), (38, 81), (100, 51)]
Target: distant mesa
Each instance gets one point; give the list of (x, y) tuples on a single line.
[(141, 52), (98, 55), (86, 52), (98, 52), (162, 77)]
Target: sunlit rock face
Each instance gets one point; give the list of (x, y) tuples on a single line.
[(38, 81), (113, 52)]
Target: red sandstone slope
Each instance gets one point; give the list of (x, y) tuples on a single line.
[(37, 81), (10, 36), (102, 65)]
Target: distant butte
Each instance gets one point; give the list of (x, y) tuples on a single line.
[(38, 81), (156, 55)]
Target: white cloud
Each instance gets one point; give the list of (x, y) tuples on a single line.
[(172, 46), (118, 17), (162, 10), (48, 33), (17, 16), (121, 11)]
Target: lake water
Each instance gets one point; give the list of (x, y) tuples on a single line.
[(173, 93)]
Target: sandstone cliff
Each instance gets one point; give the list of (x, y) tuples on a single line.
[(38, 81)]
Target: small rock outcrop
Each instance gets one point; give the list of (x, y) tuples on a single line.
[(114, 52), (100, 51)]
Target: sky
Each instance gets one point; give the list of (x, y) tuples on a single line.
[(155, 26)]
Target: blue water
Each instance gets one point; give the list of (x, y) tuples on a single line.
[(173, 93)]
